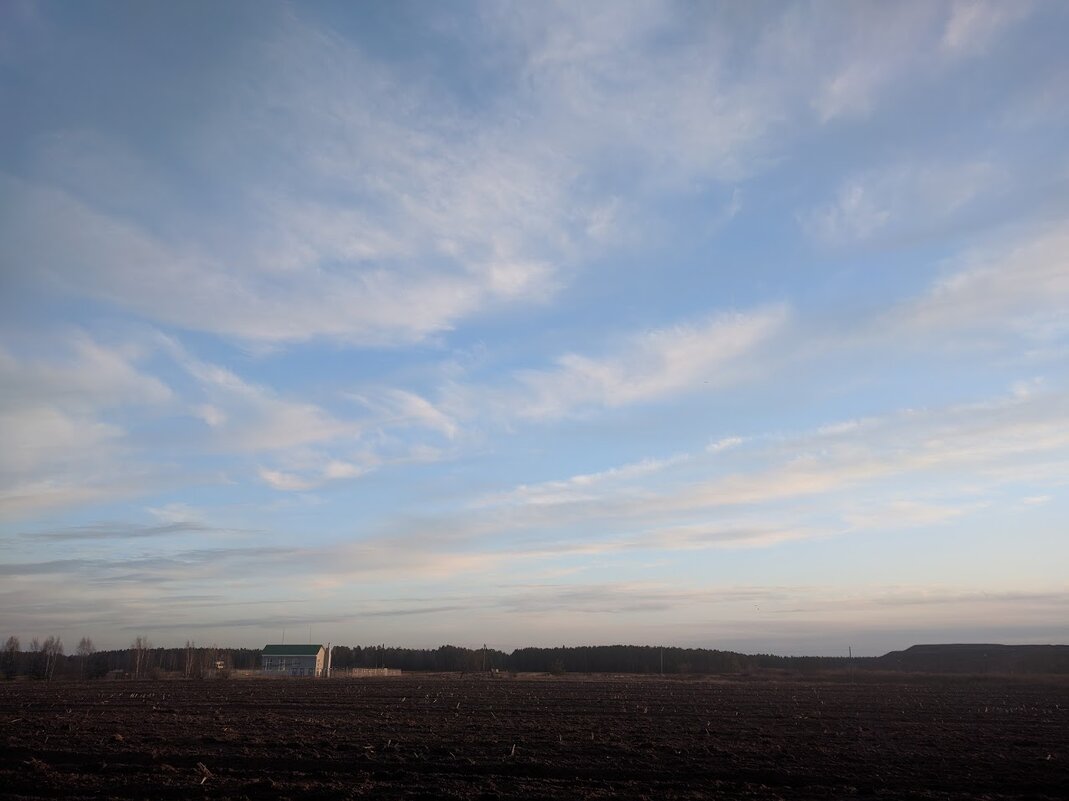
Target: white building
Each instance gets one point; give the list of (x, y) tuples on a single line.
[(295, 660)]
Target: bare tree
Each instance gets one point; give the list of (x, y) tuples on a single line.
[(37, 666), (191, 659), (10, 658), (53, 650), (140, 647), (85, 650), (209, 656)]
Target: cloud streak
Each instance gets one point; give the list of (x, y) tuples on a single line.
[(650, 366)]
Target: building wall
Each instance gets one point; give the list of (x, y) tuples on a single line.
[(293, 665)]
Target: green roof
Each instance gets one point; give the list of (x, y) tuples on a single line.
[(291, 650)]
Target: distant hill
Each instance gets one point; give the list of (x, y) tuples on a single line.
[(977, 658)]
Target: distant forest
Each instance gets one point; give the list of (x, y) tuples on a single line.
[(48, 660)]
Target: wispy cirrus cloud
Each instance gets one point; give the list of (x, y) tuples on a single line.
[(1021, 285), (120, 531), (404, 213), (862, 54), (581, 487), (904, 470), (324, 469), (973, 25), (400, 407), (902, 199), (119, 261), (430, 224), (245, 416), (63, 445), (650, 366), (983, 439)]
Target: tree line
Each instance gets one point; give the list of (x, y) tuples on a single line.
[(48, 660), (575, 659)]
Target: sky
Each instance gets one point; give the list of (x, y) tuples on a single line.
[(723, 325)]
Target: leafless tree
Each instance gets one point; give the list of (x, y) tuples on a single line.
[(85, 650), (140, 647), (191, 659), (11, 657), (37, 665), (209, 656), (53, 650)]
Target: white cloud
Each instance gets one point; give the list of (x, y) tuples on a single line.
[(53, 235), (904, 198), (1036, 500), (728, 535), (403, 213), (855, 214), (901, 514), (212, 415), (27, 498), (397, 408), (336, 469), (957, 445), (43, 437), (679, 114), (723, 444), (250, 417), (862, 52), (60, 447), (585, 486), (974, 24), (905, 470), (854, 55), (1022, 286), (284, 481), (311, 471), (174, 513), (89, 375), (651, 366)]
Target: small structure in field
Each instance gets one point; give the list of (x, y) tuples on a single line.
[(295, 660), (364, 672)]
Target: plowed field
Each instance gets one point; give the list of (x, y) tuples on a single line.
[(565, 738)]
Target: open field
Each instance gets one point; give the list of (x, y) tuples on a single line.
[(433, 736)]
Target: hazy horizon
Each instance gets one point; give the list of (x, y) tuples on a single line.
[(719, 325)]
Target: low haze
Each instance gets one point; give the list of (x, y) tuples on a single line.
[(729, 325)]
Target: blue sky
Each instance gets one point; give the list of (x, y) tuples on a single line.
[(725, 325)]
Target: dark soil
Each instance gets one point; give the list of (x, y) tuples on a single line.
[(441, 737)]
